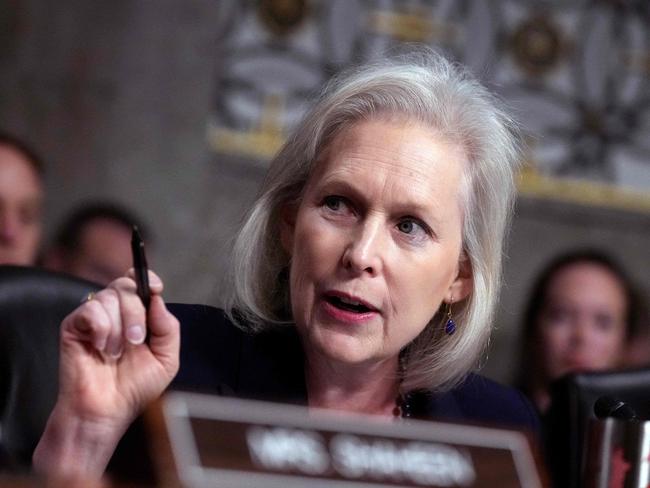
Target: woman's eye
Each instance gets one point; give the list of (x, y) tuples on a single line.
[(412, 228), (557, 316), (604, 323), (29, 215), (406, 226), (334, 203)]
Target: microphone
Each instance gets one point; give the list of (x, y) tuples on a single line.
[(607, 406)]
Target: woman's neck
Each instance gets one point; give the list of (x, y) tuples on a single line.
[(371, 389)]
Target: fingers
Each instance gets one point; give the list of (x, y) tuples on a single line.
[(164, 340), (90, 323), (155, 283), (133, 316), (115, 318), (108, 301), (102, 321)]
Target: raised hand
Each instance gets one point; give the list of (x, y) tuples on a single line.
[(108, 373)]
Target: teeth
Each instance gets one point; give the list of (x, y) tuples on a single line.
[(349, 302)]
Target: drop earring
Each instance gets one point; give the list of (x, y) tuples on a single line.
[(450, 325)]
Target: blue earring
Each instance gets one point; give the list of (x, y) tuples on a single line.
[(450, 326)]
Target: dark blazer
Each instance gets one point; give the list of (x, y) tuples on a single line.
[(218, 357)]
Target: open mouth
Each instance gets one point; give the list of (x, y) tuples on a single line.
[(349, 305)]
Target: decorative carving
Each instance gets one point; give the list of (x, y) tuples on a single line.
[(576, 72), (537, 45), (283, 16)]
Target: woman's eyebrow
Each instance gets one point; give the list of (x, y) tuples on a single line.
[(338, 181), (424, 207)]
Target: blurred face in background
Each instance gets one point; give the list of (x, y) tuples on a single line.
[(21, 200), (103, 254), (582, 323)]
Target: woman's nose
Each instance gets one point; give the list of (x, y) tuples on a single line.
[(8, 227), (580, 332), (365, 249)]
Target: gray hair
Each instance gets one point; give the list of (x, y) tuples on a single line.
[(425, 87)]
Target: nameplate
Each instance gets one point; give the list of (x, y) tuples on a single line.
[(220, 442)]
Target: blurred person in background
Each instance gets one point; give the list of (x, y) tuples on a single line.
[(94, 243), (637, 353), (583, 314), (21, 201)]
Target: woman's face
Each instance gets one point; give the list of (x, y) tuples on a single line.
[(375, 243), (582, 324)]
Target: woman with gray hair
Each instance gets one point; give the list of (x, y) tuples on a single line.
[(364, 278)]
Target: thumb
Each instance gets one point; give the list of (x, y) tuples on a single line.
[(164, 333)]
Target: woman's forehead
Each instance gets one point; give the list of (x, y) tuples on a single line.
[(402, 167), (403, 144)]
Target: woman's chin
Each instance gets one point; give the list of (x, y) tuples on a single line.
[(343, 348)]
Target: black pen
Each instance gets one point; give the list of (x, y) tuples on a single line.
[(140, 267)]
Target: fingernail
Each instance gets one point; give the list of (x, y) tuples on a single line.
[(100, 344), (116, 355), (115, 351), (135, 334)]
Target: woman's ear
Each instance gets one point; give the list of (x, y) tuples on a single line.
[(288, 214), (462, 285)]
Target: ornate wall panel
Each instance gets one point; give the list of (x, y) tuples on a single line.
[(575, 72)]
